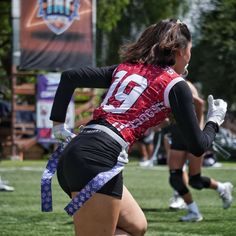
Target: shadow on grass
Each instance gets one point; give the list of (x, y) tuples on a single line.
[(69, 223), (158, 210), (166, 215)]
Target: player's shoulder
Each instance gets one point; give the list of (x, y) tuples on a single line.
[(169, 72), (149, 71)]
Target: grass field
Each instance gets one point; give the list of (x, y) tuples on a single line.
[(20, 210)]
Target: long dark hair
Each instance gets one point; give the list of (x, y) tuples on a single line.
[(158, 44)]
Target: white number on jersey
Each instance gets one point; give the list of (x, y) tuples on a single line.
[(123, 94)]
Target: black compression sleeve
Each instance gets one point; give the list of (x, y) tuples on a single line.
[(181, 102), (86, 77)]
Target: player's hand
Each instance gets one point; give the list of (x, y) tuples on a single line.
[(216, 110), (61, 132)]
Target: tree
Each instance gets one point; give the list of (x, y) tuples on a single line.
[(122, 20), (5, 47), (213, 57)]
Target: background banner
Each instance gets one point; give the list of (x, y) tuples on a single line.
[(55, 34), (46, 89)]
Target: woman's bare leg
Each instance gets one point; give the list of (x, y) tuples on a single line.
[(143, 151), (98, 216), (103, 215), (131, 219), (177, 160), (195, 166), (120, 232), (224, 189)]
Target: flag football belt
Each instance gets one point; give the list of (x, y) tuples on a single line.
[(46, 189), (93, 186)]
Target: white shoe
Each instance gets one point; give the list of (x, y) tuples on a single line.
[(192, 217), (147, 163), (177, 203), (7, 188), (226, 195)]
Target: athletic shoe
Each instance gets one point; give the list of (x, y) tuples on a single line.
[(192, 217), (6, 188), (177, 203), (226, 195), (147, 163)]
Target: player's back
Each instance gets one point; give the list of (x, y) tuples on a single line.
[(135, 100)]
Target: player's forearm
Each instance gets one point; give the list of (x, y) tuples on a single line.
[(200, 107), (181, 102)]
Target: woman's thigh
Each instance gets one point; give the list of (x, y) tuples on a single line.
[(195, 164), (98, 216), (131, 217), (177, 159)]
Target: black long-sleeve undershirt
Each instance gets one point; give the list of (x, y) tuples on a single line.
[(86, 77), (180, 98), (181, 103)]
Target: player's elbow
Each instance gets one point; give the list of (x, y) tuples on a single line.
[(67, 74)]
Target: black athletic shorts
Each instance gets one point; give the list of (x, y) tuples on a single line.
[(177, 140), (89, 153)]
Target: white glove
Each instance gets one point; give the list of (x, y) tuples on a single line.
[(62, 133), (216, 110)]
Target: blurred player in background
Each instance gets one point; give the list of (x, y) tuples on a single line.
[(179, 157), (146, 147)]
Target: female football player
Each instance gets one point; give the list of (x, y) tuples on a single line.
[(144, 90), (178, 155)]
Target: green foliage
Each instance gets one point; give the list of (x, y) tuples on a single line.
[(5, 38), (129, 20), (110, 12), (213, 61), (5, 48)]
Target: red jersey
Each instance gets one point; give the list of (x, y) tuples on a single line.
[(137, 99)]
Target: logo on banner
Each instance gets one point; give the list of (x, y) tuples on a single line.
[(58, 14)]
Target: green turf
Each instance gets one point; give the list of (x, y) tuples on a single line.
[(20, 210)]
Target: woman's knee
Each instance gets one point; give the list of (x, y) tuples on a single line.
[(142, 229), (139, 228), (131, 218)]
